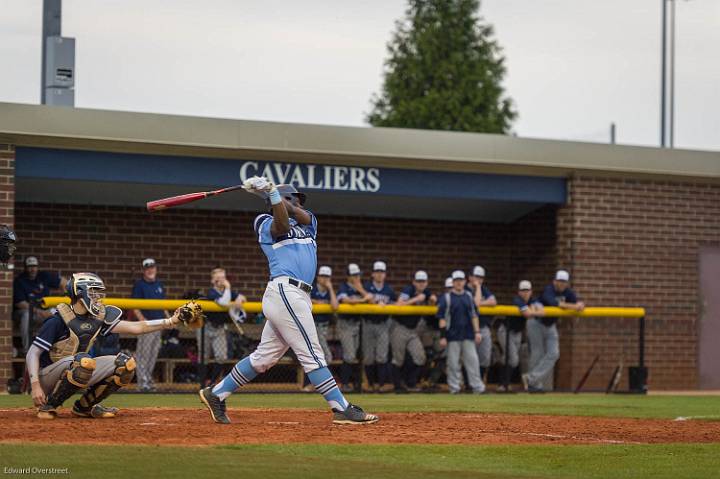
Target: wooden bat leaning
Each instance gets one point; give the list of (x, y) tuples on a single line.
[(586, 375), (165, 203)]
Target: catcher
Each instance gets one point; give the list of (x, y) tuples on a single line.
[(58, 362)]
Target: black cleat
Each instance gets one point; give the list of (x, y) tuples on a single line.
[(353, 415), (215, 405)]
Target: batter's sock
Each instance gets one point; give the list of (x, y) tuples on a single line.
[(240, 375), (325, 384)]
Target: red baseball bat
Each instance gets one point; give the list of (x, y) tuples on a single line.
[(164, 203)]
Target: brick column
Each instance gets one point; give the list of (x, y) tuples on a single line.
[(7, 216)]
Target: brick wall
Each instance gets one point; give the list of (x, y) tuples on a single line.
[(636, 242), (7, 201), (188, 243)]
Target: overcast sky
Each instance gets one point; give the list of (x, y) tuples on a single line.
[(574, 66)]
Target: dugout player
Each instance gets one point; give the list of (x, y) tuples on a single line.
[(376, 332), (405, 334), (351, 291), (148, 345), (460, 333), (482, 297), (215, 342), (542, 333), (529, 308), (58, 362), (287, 236), (29, 288)]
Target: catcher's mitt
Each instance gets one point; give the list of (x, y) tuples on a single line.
[(191, 315)]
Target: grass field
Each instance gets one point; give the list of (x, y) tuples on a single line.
[(395, 461)]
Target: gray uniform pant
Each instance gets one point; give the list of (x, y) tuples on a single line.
[(215, 342), (544, 352), (349, 333), (465, 349), (513, 346), (405, 339), (148, 346), (375, 341), (484, 349), (50, 375), (322, 330)]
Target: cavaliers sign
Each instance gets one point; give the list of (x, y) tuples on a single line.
[(321, 177)]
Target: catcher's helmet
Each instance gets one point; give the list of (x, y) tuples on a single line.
[(7, 243), (89, 289), (288, 191)]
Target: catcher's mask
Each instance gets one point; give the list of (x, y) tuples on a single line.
[(89, 289), (289, 193), (7, 243)]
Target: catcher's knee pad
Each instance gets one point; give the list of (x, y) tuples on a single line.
[(121, 376), (124, 369), (75, 378)]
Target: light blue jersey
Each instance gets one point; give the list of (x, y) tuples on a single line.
[(293, 254)]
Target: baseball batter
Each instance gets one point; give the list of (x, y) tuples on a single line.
[(287, 236), (58, 361)]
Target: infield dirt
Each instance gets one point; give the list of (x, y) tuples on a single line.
[(193, 427)]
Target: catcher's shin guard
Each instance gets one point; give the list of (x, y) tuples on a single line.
[(75, 378), (121, 376)]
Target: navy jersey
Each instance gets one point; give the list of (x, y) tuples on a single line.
[(462, 310), (407, 293), (320, 297), (293, 254), (54, 329), (347, 291), (551, 297), (485, 293), (517, 323), (26, 289), (383, 294), (145, 290), (218, 318)]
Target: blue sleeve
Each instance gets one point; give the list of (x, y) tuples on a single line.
[(51, 279), (49, 332), (343, 291), (234, 295), (441, 308), (570, 296), (406, 293), (313, 224), (137, 291), (212, 294), (548, 296), (19, 294), (262, 226), (486, 293), (518, 301)]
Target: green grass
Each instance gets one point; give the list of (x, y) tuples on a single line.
[(669, 407), (377, 462)]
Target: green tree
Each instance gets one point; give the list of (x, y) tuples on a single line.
[(444, 72)]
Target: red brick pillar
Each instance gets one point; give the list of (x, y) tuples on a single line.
[(7, 216)]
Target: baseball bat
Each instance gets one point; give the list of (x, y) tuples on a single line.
[(173, 201), (586, 375)]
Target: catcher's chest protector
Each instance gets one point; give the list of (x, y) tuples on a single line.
[(83, 332)]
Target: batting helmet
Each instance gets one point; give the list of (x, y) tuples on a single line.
[(7, 243), (89, 289)]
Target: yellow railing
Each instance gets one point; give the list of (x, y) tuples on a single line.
[(256, 307)]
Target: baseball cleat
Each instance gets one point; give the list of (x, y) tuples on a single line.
[(98, 411), (353, 415), (46, 412), (215, 405)]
